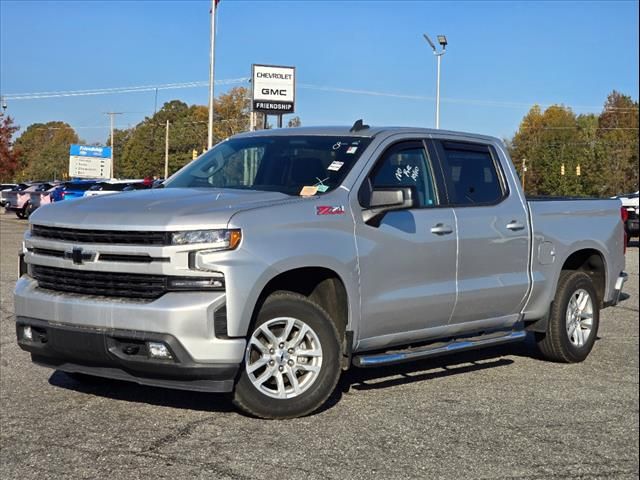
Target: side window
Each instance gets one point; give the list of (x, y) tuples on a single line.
[(472, 174), (406, 165)]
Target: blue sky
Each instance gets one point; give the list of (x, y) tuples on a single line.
[(502, 57)]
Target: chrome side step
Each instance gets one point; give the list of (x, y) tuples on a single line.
[(390, 358)]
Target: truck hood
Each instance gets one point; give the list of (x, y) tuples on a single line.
[(158, 209)]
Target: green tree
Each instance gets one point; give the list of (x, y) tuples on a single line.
[(548, 141), (617, 135), (9, 159), (143, 152), (44, 150)]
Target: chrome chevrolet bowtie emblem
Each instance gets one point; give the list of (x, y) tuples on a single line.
[(78, 255)]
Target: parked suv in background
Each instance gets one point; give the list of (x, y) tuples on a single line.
[(115, 186), (72, 189), (630, 204)]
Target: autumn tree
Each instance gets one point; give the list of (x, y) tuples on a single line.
[(617, 135), (8, 155), (44, 150), (603, 149), (548, 141), (143, 152)]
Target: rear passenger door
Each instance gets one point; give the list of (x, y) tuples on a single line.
[(493, 233)]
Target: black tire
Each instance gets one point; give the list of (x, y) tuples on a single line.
[(28, 210), (555, 344), (20, 213), (248, 398)]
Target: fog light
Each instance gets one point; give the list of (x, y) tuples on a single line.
[(158, 350), (27, 334)]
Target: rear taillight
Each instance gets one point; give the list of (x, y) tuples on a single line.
[(62, 195), (624, 214)]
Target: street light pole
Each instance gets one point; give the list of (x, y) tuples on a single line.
[(442, 40), (211, 71)]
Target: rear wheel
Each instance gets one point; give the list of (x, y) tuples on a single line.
[(292, 359), (573, 320)]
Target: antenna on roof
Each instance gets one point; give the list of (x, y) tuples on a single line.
[(358, 126)]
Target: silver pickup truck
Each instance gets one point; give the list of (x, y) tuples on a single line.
[(280, 258)]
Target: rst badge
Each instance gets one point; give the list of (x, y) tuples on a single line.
[(330, 210)]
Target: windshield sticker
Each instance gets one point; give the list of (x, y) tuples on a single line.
[(352, 149), (409, 172), (330, 210), (335, 166), (308, 191), (322, 188)]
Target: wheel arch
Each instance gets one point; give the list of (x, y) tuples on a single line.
[(322, 285)]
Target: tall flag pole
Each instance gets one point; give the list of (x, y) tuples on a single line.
[(214, 4)]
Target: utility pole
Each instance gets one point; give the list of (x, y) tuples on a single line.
[(166, 152), (113, 152), (211, 70), (442, 40)]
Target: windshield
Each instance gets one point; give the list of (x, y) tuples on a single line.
[(284, 164)]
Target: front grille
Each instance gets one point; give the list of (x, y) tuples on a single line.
[(109, 284), (102, 236)]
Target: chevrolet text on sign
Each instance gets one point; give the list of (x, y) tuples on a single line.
[(274, 89)]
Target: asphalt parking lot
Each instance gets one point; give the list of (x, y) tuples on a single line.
[(501, 413)]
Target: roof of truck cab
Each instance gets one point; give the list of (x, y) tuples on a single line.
[(366, 133)]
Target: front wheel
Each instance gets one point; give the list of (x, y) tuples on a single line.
[(573, 320), (292, 359)]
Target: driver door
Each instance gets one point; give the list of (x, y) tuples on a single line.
[(408, 259)]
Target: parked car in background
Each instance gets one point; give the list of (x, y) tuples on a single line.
[(19, 201), (39, 198), (630, 204), (9, 196), (72, 189), (115, 186)]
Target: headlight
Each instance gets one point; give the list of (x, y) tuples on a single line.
[(195, 283), (220, 239)]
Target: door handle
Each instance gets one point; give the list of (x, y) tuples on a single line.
[(441, 229), (515, 225)]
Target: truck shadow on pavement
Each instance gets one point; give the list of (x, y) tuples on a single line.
[(356, 379)]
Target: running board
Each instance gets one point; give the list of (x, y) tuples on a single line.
[(390, 358)]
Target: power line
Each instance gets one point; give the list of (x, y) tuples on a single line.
[(117, 90), (324, 88)]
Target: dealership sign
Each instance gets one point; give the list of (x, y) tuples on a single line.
[(274, 89), (87, 161)]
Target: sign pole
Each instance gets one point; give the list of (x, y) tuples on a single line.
[(280, 121), (113, 156), (166, 152), (211, 71)]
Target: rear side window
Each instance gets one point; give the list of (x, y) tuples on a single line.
[(472, 175)]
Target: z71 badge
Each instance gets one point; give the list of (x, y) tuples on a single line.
[(330, 210)]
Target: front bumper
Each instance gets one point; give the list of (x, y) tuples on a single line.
[(122, 355), (189, 317)]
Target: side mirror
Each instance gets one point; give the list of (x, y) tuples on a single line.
[(383, 200)]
